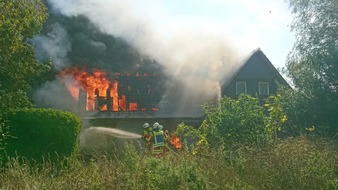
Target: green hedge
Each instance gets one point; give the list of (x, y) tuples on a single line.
[(42, 133)]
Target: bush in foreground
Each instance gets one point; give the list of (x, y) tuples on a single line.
[(41, 133)]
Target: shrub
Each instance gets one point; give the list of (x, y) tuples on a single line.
[(3, 133), (42, 133), (170, 172), (236, 121)]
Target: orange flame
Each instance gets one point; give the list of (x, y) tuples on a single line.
[(175, 141), (95, 85), (99, 88)]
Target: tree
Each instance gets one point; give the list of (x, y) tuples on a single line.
[(20, 20), (316, 49), (313, 64)]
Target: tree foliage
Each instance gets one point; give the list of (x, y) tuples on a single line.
[(236, 121), (313, 65), (315, 54), (20, 20), (276, 117)]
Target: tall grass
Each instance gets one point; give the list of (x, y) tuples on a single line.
[(289, 164), (293, 164)]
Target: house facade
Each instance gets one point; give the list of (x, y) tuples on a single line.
[(257, 77), (130, 105)]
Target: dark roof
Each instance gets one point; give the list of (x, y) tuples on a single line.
[(258, 53)]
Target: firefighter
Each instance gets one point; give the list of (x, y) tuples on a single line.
[(158, 144), (160, 127), (147, 135), (145, 129), (165, 134), (166, 138)]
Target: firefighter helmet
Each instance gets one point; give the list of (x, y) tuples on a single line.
[(160, 127), (145, 125), (156, 125)]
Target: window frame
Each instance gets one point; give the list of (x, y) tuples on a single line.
[(267, 88), (245, 87)]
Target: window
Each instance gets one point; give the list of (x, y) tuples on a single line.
[(263, 88), (240, 87)]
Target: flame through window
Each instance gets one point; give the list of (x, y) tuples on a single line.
[(126, 92)]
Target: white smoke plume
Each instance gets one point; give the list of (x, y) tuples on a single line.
[(186, 47), (54, 94), (193, 51), (182, 46), (54, 45)]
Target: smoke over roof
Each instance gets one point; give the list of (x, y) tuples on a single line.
[(122, 36)]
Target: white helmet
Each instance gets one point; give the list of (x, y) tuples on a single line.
[(156, 125), (160, 127), (145, 125)]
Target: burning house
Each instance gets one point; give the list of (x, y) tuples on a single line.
[(115, 73), (142, 96), (110, 100), (122, 102), (125, 92)]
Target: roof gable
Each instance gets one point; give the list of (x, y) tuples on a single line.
[(258, 66)]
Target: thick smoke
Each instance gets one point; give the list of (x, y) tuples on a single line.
[(181, 46), (54, 44), (55, 94), (121, 36)]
